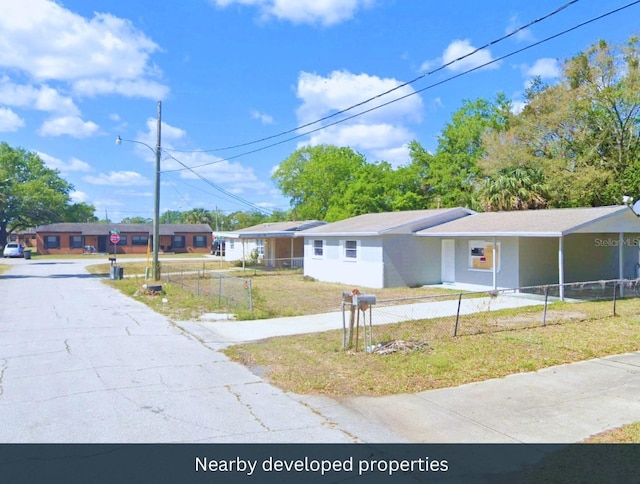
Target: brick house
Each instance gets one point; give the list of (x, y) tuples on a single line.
[(79, 238)]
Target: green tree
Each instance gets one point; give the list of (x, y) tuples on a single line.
[(171, 217), (80, 212), (30, 193), (136, 220), (315, 177), (453, 171), (583, 132)]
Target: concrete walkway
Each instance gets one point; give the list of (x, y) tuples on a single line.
[(80, 362)]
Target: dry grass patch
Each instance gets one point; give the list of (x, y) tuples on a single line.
[(627, 434), (316, 363)]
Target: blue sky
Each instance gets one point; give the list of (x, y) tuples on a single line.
[(75, 74)]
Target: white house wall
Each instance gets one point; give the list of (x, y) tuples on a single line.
[(365, 271), (236, 253), (411, 261)]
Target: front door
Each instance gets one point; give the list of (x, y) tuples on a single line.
[(102, 243), (448, 260)]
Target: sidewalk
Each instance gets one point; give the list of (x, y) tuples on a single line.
[(244, 331)]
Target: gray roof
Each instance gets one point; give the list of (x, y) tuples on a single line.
[(375, 224), (104, 229), (540, 223), (273, 229)]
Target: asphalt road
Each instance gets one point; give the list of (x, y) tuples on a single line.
[(80, 362)]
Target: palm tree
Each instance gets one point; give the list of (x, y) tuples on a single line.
[(515, 188), (197, 216)]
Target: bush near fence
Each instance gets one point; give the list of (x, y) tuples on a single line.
[(469, 313)]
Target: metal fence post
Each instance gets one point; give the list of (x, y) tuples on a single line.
[(615, 285), (198, 283), (455, 330), (219, 289), (546, 299)]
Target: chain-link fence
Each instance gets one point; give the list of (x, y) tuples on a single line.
[(232, 293), (449, 315)]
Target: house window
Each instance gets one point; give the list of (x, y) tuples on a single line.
[(318, 248), (52, 242), (179, 242), (481, 255), (76, 242), (123, 240), (351, 249), (231, 244), (260, 247), (139, 240), (199, 240)]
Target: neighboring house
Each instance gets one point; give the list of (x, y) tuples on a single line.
[(27, 238), (275, 244), (78, 238), (378, 250), (534, 247)]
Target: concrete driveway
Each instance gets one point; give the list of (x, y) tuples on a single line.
[(80, 362)]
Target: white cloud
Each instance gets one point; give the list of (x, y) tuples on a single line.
[(524, 35), (325, 95), (50, 42), (42, 98), (79, 197), (99, 55), (69, 125), (263, 118), (9, 121), (127, 88), (118, 178), (460, 49), (324, 12), (73, 165), (545, 68), (377, 131)]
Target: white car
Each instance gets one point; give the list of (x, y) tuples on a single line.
[(13, 249)]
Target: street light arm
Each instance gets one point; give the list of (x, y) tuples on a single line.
[(119, 141)]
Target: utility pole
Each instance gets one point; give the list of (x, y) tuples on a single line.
[(156, 205)]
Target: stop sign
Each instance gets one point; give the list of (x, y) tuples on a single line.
[(115, 238)]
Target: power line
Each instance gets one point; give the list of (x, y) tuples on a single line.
[(219, 188), (431, 86), (400, 86)]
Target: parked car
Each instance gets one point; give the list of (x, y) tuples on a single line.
[(13, 249)]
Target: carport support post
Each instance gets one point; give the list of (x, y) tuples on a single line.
[(495, 266), (561, 267), (621, 262)]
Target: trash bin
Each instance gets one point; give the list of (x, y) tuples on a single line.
[(27, 254), (117, 272)]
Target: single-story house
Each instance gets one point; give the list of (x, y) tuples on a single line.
[(378, 250), (275, 244), (536, 247), (79, 238)]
